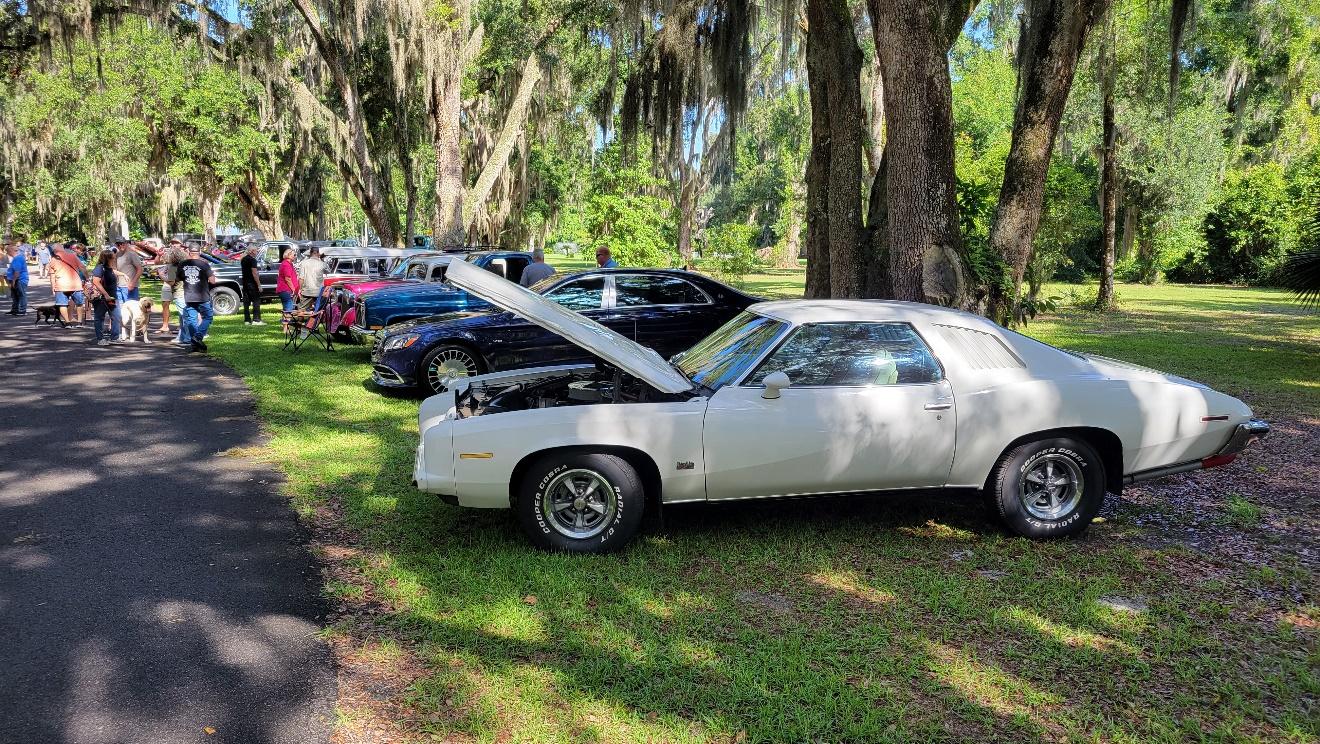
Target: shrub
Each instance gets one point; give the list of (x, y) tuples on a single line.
[(1247, 233), (731, 251)]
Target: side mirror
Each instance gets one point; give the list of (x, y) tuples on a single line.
[(774, 382)]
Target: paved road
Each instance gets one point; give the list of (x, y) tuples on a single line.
[(150, 587)]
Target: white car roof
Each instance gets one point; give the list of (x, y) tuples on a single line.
[(368, 252), (798, 312)]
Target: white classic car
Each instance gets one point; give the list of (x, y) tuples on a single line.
[(809, 397)]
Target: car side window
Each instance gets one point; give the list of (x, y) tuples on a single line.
[(499, 267), (642, 289), (515, 268), (581, 294), (438, 272), (852, 354)]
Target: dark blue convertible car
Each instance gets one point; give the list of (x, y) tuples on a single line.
[(667, 310)]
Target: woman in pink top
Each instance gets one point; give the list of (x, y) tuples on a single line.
[(286, 283)]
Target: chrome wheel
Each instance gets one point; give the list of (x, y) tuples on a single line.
[(579, 503), (447, 365), (1051, 485)]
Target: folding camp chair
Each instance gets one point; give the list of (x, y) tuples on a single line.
[(305, 325)]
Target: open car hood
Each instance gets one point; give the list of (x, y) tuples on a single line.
[(622, 352)]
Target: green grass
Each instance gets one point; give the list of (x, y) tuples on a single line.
[(881, 619), (1241, 513)]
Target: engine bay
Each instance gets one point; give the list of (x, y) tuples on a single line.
[(604, 384)]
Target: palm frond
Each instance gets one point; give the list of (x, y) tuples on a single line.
[(1301, 274)]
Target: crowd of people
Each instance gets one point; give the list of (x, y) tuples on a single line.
[(109, 282)]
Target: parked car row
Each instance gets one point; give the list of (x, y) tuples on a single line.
[(594, 396)]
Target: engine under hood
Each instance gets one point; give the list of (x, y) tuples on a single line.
[(622, 352)]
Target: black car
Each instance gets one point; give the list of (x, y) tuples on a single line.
[(666, 310)]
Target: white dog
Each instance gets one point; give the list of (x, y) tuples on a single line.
[(134, 317)]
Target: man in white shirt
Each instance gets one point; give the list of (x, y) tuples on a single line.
[(311, 275)]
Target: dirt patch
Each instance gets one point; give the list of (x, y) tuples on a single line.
[(1276, 486)]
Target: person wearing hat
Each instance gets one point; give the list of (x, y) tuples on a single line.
[(128, 263), (196, 277)]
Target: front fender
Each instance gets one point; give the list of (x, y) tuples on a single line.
[(669, 433)]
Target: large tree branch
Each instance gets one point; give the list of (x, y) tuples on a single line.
[(499, 156)]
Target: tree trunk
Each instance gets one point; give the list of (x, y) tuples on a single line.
[(373, 192), (836, 261), (118, 222), (514, 122), (1131, 212), (447, 226), (209, 199), (687, 211), (912, 39), (789, 248), (876, 237), (1104, 299), (1053, 34), (409, 166), (265, 213)]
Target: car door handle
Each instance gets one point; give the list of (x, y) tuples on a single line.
[(943, 406)]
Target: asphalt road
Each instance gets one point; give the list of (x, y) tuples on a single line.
[(152, 587)]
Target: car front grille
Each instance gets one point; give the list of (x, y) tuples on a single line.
[(376, 341)]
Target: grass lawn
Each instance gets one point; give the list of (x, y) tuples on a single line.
[(854, 619)]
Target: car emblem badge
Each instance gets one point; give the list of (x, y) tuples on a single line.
[(686, 465)]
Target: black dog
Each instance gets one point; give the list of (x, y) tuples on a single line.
[(48, 313)]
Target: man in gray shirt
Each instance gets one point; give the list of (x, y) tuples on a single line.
[(129, 263), (537, 270), (311, 275)]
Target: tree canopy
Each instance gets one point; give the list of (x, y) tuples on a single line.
[(959, 152)]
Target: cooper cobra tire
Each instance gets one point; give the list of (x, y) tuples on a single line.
[(450, 362), (1048, 488), (581, 503), (224, 301)]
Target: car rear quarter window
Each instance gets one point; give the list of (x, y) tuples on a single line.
[(579, 294), (852, 355), (640, 289), (978, 349)]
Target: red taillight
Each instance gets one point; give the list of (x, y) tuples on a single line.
[(1215, 461), (1214, 418)]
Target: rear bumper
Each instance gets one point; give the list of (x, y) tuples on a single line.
[(1243, 435)]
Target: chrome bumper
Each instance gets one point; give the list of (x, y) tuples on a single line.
[(1243, 435), (363, 335)]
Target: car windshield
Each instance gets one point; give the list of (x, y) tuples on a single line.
[(724, 355)]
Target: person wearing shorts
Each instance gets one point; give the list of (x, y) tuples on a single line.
[(129, 263), (66, 283)]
